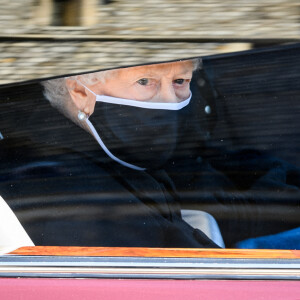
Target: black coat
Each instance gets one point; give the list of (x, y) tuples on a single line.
[(66, 191)]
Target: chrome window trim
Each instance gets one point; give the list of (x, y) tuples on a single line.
[(148, 268)]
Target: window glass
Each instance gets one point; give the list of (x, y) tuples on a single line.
[(199, 153), (182, 156)]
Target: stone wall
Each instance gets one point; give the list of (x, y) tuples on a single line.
[(239, 18), (31, 58)]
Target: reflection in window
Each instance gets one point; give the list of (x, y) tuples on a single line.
[(165, 155), (67, 12)]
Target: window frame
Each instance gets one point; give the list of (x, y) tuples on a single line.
[(151, 263)]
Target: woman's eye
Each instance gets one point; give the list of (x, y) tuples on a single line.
[(179, 81), (143, 81)]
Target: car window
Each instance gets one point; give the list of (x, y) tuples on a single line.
[(160, 124), (196, 153)]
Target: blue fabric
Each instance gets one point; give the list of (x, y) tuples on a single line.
[(285, 240)]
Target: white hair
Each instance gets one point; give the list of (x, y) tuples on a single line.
[(57, 92)]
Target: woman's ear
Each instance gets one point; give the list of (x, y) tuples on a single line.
[(78, 94)]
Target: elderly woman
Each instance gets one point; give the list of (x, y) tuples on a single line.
[(129, 147), (140, 117), (132, 113), (103, 183)]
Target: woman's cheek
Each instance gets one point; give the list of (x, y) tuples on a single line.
[(144, 93), (183, 92)]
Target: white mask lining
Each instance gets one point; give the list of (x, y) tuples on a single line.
[(100, 142), (144, 104), (141, 104)]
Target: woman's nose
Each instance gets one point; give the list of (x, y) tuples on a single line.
[(167, 93)]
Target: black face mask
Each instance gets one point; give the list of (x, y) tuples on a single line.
[(143, 137), (140, 138)]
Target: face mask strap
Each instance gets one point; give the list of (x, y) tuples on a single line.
[(86, 88), (102, 145), (83, 117)]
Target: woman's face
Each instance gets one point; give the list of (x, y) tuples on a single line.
[(168, 82)]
